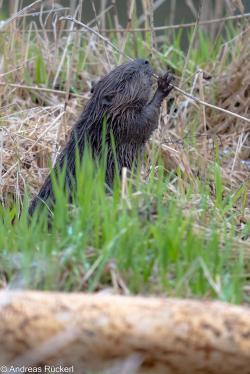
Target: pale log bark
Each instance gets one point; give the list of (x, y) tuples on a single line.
[(140, 335)]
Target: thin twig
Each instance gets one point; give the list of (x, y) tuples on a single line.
[(68, 42), (158, 28), (22, 11), (17, 68), (151, 20), (107, 41), (98, 28), (131, 5), (181, 25), (53, 10), (101, 15), (146, 29), (35, 88), (191, 44), (194, 98), (204, 158)]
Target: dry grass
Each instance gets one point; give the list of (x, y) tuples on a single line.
[(35, 123)]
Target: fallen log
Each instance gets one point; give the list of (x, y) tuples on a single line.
[(81, 332)]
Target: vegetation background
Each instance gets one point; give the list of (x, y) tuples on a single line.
[(181, 226)]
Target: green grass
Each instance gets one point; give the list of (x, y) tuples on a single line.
[(151, 239)]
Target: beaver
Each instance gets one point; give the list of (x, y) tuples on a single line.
[(121, 100)]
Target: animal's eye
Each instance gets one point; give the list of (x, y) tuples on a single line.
[(107, 99)]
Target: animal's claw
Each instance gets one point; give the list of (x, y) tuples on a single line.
[(164, 83)]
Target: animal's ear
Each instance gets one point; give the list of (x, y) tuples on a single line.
[(93, 85)]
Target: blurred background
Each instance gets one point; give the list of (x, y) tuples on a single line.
[(115, 14), (166, 11)]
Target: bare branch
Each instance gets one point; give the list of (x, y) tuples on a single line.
[(194, 98)]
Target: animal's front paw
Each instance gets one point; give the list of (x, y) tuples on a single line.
[(164, 83)]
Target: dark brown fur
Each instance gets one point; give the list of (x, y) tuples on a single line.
[(121, 99)]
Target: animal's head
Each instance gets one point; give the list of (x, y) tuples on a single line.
[(125, 86)]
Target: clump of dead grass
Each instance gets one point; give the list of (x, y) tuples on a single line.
[(231, 90), (228, 86)]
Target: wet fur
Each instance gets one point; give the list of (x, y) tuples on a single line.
[(121, 100)]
